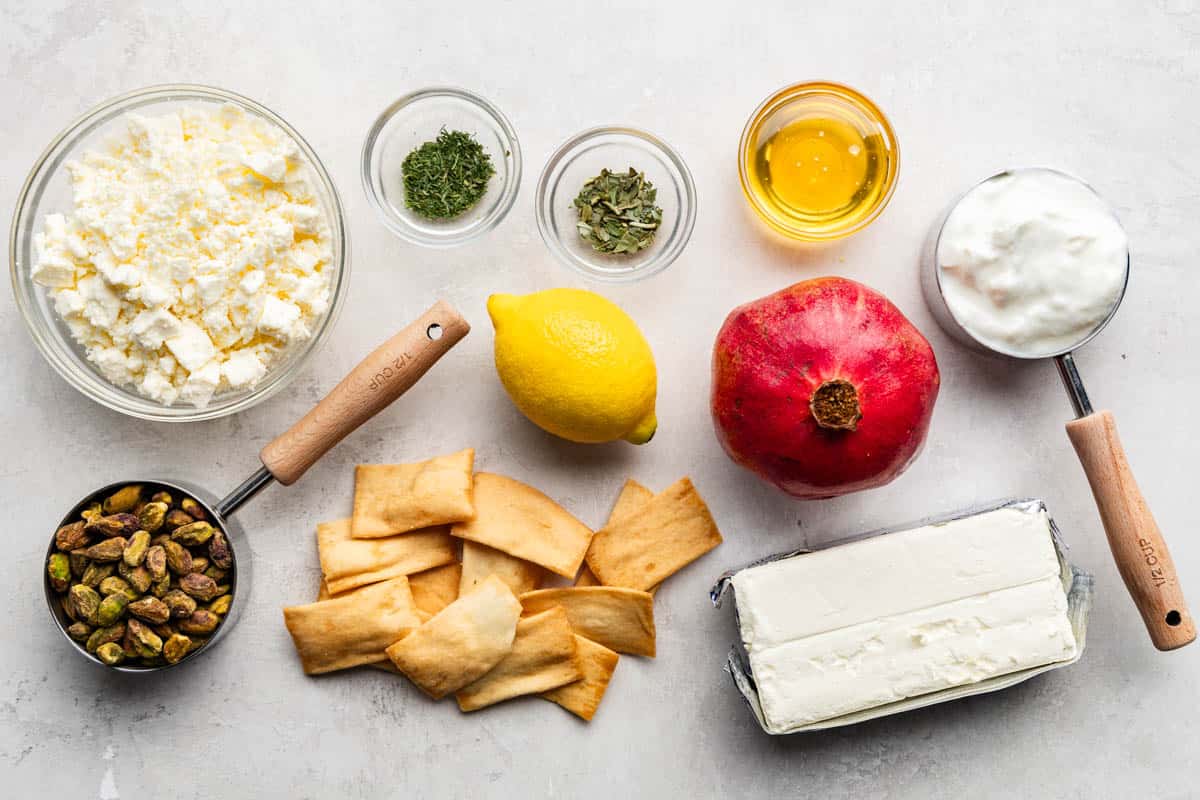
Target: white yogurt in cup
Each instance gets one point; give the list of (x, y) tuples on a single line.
[(1031, 262)]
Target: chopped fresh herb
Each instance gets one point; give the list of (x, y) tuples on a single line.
[(617, 213), (445, 177)]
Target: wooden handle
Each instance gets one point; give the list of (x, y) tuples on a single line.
[(370, 387), (1137, 545)]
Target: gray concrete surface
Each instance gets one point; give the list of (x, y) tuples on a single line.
[(1105, 89)]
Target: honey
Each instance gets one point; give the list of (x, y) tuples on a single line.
[(819, 161)]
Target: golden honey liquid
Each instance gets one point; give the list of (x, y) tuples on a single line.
[(821, 172)]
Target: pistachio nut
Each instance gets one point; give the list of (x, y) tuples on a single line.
[(152, 515), (72, 537), (110, 653), (219, 552), (159, 539), (113, 633), (79, 562), (113, 525), (165, 630), (175, 648), (161, 586), (180, 604), (150, 609), (199, 586), (93, 511), (146, 643), (162, 497), (216, 573), (79, 631), (138, 577), (95, 572), (176, 519), (68, 608), (114, 585), (107, 550), (123, 499), (192, 534), (156, 561), (178, 558), (220, 606), (85, 602), (193, 509), (201, 623), (199, 564), (136, 547), (59, 571), (111, 609)]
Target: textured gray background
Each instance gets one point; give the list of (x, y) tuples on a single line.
[(1105, 89)]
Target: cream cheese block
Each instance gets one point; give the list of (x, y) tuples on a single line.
[(903, 614)]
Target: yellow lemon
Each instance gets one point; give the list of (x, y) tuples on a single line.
[(576, 365)]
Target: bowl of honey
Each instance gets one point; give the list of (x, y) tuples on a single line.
[(818, 161)]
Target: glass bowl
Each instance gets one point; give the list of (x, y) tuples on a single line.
[(581, 158), (48, 190), (417, 118), (842, 106)]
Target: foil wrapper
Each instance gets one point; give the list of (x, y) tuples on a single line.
[(1077, 584)]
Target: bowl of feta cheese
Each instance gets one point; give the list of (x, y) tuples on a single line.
[(178, 252)]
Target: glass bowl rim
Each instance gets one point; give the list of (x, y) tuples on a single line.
[(684, 226), (97, 388), (779, 99), (508, 194)]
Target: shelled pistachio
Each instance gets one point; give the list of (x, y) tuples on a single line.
[(130, 574)]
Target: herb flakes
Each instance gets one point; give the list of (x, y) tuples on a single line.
[(617, 213), (447, 176)]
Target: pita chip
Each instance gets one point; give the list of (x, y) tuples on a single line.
[(479, 561), (544, 656), (620, 619), (398, 498), (434, 589), (667, 533), (583, 697), (351, 630), (632, 497), (462, 642), (519, 520), (347, 563)]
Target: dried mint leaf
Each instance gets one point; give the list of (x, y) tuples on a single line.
[(617, 212)]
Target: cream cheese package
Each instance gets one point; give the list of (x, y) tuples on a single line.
[(893, 620)]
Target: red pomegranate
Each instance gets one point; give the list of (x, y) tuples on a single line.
[(823, 388)]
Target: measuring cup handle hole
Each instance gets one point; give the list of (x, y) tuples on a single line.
[(434, 332), (1174, 618)]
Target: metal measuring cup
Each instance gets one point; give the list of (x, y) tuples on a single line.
[(388, 372), (1133, 536)]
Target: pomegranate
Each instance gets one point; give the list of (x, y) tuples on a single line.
[(823, 388)]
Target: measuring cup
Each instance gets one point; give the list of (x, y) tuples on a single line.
[(1133, 536), (388, 372)]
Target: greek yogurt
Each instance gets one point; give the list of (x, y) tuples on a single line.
[(1031, 262)]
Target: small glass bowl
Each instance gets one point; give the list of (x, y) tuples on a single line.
[(48, 189), (418, 118), (581, 158), (827, 100)]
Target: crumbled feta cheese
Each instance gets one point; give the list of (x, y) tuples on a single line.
[(191, 346), (178, 269), (201, 384), (243, 369), (279, 318), (152, 328)]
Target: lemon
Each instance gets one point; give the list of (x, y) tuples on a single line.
[(576, 365)]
